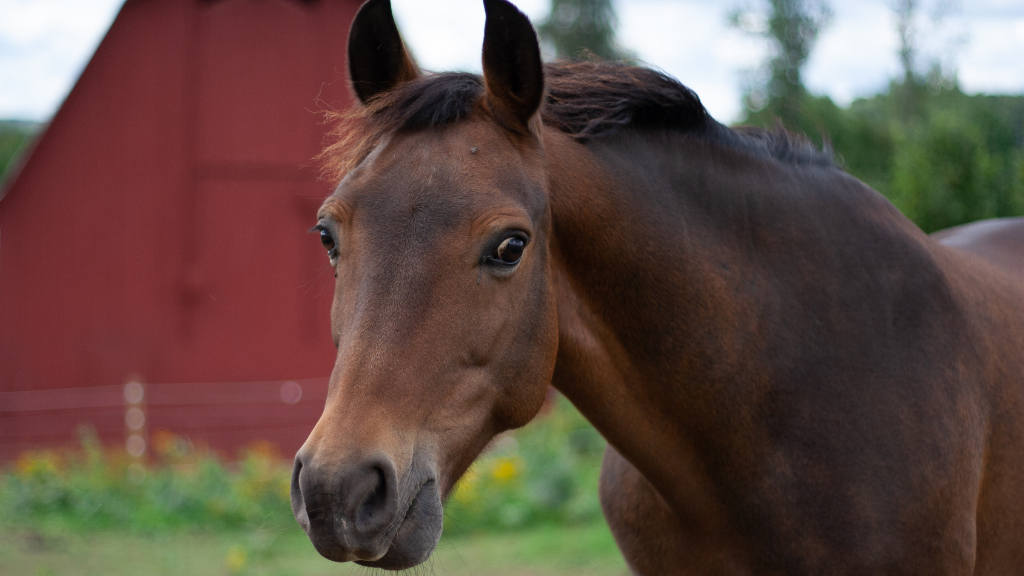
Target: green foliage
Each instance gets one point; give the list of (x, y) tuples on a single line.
[(14, 136), (943, 157), (97, 488), (954, 169), (959, 158), (542, 551), (792, 26), (545, 473), (576, 27)]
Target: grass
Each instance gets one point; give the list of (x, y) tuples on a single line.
[(571, 551)]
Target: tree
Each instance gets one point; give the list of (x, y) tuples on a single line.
[(792, 26), (14, 136), (943, 157), (576, 27), (905, 29), (915, 83)]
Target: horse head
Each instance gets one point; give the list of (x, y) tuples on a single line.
[(444, 315)]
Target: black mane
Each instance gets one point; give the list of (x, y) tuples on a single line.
[(585, 100)]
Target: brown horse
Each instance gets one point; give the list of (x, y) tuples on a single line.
[(999, 241), (792, 377)]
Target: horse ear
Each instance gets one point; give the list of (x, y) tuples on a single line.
[(513, 72), (377, 58)]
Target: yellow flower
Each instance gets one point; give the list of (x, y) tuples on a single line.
[(164, 442), (43, 462), (284, 488), (263, 451), (235, 560), (465, 490), (504, 469), (216, 507), (25, 464)]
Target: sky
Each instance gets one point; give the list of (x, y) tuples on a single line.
[(45, 44)]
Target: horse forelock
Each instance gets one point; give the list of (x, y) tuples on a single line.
[(431, 100), (584, 99)]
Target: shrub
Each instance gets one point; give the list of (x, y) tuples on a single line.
[(957, 159), (544, 473), (187, 487)]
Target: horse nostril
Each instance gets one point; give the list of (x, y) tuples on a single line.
[(374, 505), (298, 501), (345, 512)]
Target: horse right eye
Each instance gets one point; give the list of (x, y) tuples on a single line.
[(510, 250), (328, 241)]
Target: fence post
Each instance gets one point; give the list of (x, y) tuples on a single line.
[(135, 418)]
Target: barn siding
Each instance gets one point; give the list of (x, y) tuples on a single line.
[(159, 227)]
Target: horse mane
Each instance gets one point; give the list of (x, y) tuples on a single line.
[(584, 99)]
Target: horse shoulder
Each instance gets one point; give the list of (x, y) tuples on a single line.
[(652, 537)]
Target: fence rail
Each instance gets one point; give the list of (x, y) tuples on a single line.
[(223, 415)]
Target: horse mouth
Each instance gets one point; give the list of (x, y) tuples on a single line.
[(416, 535)]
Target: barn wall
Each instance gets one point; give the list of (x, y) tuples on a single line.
[(159, 227)]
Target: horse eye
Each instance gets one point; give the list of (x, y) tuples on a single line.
[(328, 241), (510, 250)]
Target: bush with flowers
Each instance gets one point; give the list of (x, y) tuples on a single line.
[(544, 473), (183, 486)]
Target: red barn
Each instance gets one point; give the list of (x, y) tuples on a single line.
[(158, 231)]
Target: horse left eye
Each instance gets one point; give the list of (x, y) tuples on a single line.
[(510, 250)]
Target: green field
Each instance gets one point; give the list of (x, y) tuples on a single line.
[(576, 551)]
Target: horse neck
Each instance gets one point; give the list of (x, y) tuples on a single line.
[(675, 262)]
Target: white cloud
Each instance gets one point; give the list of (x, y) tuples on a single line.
[(691, 40), (448, 34), (996, 53), (856, 55), (44, 44)]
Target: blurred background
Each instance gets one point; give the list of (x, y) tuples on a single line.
[(164, 345)]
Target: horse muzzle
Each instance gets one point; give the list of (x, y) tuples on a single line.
[(360, 512)]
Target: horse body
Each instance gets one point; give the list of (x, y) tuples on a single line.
[(998, 241), (792, 378), (813, 362)]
